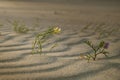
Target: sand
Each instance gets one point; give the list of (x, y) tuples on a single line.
[(63, 62)]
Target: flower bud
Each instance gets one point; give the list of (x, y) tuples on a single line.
[(106, 45)]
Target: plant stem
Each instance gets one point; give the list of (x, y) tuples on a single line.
[(40, 47)]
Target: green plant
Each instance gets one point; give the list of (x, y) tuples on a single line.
[(18, 27), (40, 38), (99, 49)]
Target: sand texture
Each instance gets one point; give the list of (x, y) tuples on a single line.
[(63, 62)]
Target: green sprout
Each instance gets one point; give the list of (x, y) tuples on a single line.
[(40, 38), (99, 49), (19, 28)]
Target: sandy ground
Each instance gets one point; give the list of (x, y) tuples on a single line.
[(63, 62)]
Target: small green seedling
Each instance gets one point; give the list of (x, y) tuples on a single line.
[(40, 38), (19, 28), (99, 49)]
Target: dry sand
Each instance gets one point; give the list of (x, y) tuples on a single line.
[(63, 62)]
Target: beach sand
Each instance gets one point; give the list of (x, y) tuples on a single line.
[(63, 62)]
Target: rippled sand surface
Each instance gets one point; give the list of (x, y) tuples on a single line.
[(63, 62)]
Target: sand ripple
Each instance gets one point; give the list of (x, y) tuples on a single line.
[(63, 61)]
